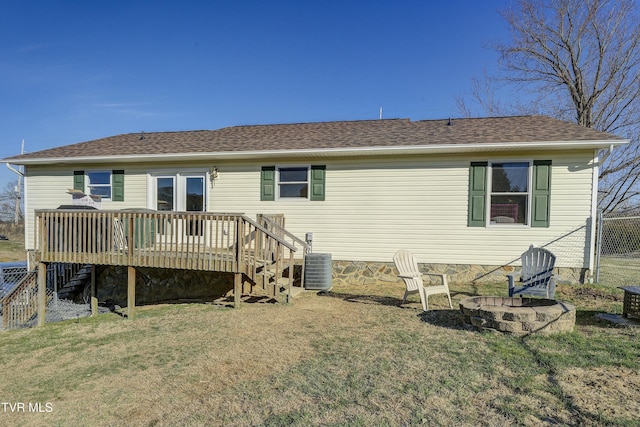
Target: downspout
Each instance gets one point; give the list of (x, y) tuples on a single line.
[(605, 155), (18, 201), (14, 170), (18, 187), (593, 255)]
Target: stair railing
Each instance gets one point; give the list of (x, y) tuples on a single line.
[(264, 253), (20, 305), (275, 223)]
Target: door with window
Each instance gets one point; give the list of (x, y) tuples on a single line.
[(180, 192)]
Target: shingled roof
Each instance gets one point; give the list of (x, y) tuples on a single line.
[(320, 136)]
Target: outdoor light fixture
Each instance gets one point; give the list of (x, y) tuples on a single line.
[(213, 174)]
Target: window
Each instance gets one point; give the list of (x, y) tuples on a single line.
[(107, 184), (99, 184), (509, 193), (165, 193), (293, 183), (509, 198)]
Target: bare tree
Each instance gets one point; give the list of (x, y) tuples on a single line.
[(577, 60), (11, 203)]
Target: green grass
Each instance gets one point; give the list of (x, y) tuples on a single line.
[(12, 249), (618, 271), (354, 358)]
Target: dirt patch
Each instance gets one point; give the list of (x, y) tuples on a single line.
[(609, 392), (591, 297), (584, 293)]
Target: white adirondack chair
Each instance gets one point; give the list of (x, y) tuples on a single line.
[(408, 271), (536, 278), (119, 239)]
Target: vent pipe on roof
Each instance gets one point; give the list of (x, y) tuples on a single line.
[(142, 135), (450, 123), (380, 117)]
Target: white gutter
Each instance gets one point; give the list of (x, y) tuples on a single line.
[(331, 152)]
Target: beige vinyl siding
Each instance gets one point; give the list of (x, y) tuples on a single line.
[(375, 206), (47, 188)]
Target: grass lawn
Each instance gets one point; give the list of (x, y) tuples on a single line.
[(13, 248), (620, 271), (351, 358)]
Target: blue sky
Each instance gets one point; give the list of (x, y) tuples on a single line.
[(73, 71)]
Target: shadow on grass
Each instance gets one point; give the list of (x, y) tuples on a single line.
[(228, 300), (590, 318), (449, 318), (363, 299)]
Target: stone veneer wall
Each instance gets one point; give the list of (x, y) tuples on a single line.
[(366, 273), (155, 285)]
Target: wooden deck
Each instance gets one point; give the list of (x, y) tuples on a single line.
[(258, 252)]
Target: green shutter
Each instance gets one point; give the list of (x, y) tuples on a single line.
[(541, 193), (78, 180), (318, 175), (477, 194), (117, 186), (268, 183)]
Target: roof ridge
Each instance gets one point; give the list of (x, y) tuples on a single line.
[(320, 122)]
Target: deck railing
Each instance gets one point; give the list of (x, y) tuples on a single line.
[(226, 242)]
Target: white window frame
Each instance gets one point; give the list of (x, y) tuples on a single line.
[(89, 186), (153, 187), (279, 183), (182, 183), (179, 186), (528, 193)]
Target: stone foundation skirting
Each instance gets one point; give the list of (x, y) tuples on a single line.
[(369, 273), (156, 285)]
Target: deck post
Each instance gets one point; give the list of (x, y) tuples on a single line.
[(237, 289), (94, 296), (42, 292), (131, 291)]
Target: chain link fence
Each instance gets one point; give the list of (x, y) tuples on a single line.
[(618, 250)]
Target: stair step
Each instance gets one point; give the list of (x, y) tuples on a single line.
[(267, 273), (286, 297)]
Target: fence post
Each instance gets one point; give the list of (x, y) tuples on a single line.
[(42, 292), (599, 244), (94, 295)]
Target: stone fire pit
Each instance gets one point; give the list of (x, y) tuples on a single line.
[(518, 316)]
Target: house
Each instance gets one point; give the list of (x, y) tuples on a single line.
[(467, 196)]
